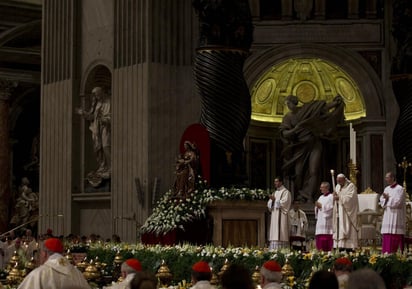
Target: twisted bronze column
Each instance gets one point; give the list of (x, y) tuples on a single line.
[(225, 38)]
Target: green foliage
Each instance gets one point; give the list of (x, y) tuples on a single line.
[(396, 269)]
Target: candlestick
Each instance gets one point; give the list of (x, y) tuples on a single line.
[(354, 147), (332, 172), (350, 142)]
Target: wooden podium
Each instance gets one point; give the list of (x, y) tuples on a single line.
[(238, 223)]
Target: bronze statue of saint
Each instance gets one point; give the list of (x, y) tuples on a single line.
[(302, 131)]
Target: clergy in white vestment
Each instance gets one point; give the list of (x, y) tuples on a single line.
[(345, 214), (55, 272), (279, 205), (393, 224), (298, 223), (128, 271), (298, 220), (16, 248), (201, 276), (271, 275), (323, 216)]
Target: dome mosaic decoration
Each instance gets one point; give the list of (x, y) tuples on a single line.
[(308, 78)]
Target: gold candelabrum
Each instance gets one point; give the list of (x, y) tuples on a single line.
[(164, 275), (287, 270), (405, 165), (30, 265), (69, 257), (117, 264), (15, 275), (223, 269), (91, 273), (82, 265), (256, 277), (214, 280), (353, 172)]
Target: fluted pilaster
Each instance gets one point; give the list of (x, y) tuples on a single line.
[(56, 116)]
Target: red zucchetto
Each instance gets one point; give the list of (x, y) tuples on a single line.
[(201, 267), (54, 245), (134, 264), (343, 261), (272, 266)]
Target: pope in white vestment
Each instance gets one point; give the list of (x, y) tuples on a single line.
[(394, 217), (56, 272), (279, 206), (345, 214)]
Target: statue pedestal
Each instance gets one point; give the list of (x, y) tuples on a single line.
[(238, 223)]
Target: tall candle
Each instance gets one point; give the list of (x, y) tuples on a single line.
[(354, 147), (350, 142)]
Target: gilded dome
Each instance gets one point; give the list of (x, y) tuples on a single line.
[(309, 79)]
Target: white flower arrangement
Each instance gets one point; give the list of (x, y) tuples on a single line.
[(172, 213)]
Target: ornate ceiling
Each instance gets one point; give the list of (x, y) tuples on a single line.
[(309, 79), (20, 39)]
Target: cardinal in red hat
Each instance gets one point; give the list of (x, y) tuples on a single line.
[(201, 275), (129, 269), (55, 271), (342, 268), (270, 275)]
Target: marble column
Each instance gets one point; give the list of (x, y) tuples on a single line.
[(5, 93)]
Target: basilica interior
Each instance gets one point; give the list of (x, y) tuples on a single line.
[(153, 63)]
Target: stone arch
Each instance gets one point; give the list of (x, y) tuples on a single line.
[(372, 129), (98, 73), (354, 64)]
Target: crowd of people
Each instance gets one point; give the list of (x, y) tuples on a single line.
[(336, 213)]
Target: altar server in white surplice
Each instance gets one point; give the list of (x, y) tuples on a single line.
[(323, 216), (393, 224), (279, 205)]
